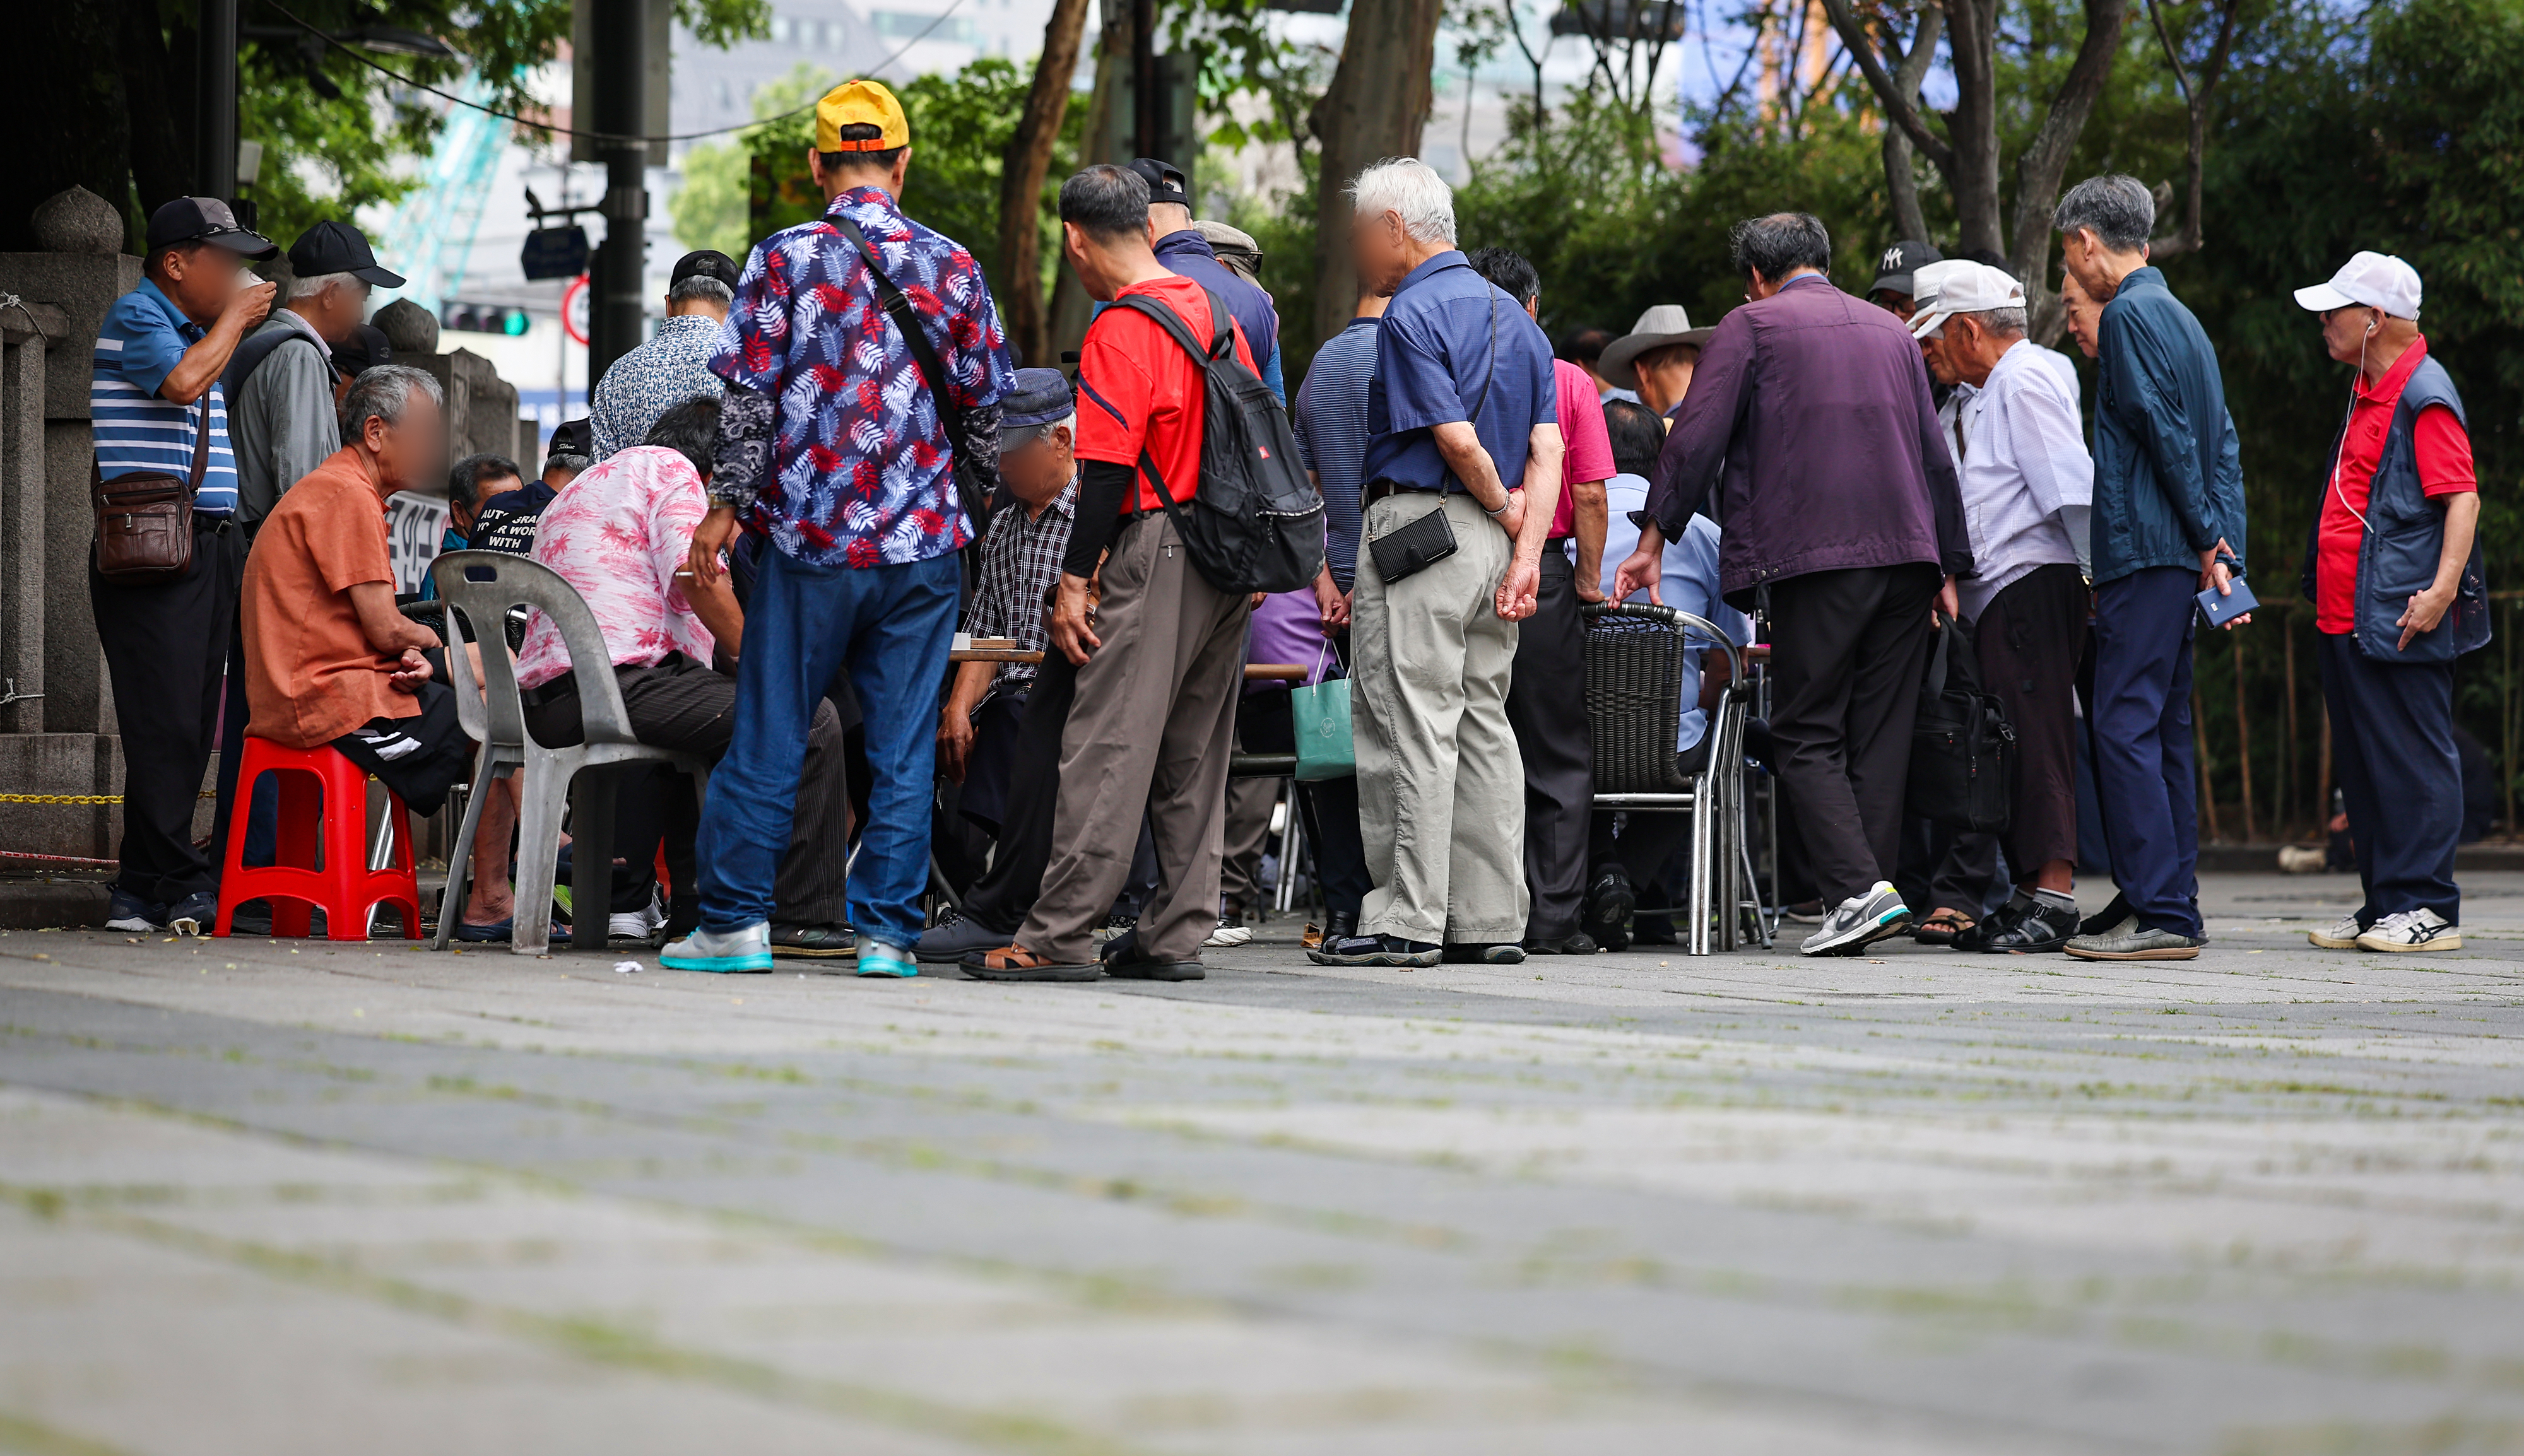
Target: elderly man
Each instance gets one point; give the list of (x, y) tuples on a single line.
[(159, 410), (673, 366), (2169, 523), (328, 659), (1655, 359), (621, 534), (840, 440), (1839, 501), (1463, 475), (1896, 286), (1546, 700), (2027, 487), (1183, 248), (2402, 506)]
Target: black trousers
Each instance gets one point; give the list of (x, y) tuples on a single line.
[(1849, 650), (2029, 639), (166, 649), (419, 757), (1000, 898), (681, 705), (1546, 709), (2392, 737)]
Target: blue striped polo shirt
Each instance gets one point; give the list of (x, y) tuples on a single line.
[(136, 431)]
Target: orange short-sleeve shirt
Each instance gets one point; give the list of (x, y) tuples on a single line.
[(310, 673)]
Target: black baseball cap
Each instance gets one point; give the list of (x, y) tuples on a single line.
[(365, 350), (1893, 271), (571, 437), (1165, 180), (709, 262), (205, 219), (338, 248)]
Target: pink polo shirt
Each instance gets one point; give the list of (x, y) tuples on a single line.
[(1587, 447)]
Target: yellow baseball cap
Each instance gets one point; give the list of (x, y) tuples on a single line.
[(854, 103)]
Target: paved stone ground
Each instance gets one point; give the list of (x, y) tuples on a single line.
[(281, 1198)]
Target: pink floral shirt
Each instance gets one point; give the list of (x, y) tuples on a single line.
[(619, 533)]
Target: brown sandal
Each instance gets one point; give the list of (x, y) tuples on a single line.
[(1017, 963), (1941, 928)]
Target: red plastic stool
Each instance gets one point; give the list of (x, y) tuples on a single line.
[(318, 787)]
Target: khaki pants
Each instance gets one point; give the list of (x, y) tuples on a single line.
[(1440, 788), (1151, 729)]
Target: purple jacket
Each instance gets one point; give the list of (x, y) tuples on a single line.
[(1814, 406)]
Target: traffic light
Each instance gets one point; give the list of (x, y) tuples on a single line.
[(483, 319)]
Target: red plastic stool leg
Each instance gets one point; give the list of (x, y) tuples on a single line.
[(301, 804)]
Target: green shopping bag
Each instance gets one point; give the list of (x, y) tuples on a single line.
[(1322, 721)]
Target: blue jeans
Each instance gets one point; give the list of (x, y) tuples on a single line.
[(2145, 773), (892, 626)]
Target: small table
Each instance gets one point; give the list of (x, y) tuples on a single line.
[(1254, 672)]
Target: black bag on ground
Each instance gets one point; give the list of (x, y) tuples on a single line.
[(1963, 750), (1256, 522)]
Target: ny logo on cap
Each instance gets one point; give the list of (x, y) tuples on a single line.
[(1892, 260)]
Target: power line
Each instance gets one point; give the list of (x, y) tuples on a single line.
[(601, 136)]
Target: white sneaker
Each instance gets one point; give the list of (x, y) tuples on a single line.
[(1232, 931), (2413, 930), (2341, 935), (734, 950), (1859, 921), (641, 925)]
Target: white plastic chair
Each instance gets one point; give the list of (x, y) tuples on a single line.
[(483, 587)]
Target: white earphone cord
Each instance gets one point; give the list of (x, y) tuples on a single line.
[(2338, 449)]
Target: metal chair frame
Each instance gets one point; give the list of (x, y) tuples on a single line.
[(579, 780), (1721, 867)]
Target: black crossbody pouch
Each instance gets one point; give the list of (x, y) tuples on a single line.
[(1431, 538)]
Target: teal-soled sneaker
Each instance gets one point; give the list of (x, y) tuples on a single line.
[(721, 952), (877, 958)]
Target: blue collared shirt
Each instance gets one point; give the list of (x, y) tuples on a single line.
[(1449, 343), (1332, 435), (1189, 254), (143, 337)]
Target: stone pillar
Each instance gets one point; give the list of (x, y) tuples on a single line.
[(481, 406), (26, 332)]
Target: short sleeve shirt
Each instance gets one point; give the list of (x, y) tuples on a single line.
[(1584, 437), (2443, 451), (861, 472), (1139, 389), (1332, 435), (310, 675), (1450, 342), (619, 533), (137, 432)]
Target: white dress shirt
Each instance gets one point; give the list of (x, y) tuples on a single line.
[(2029, 484)]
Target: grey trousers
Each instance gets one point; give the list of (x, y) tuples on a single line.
[(1440, 788), (1151, 728)]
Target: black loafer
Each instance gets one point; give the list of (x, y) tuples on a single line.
[(1578, 944), (1123, 962)]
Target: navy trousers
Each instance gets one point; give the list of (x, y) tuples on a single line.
[(2391, 743), (891, 626), (2145, 771)]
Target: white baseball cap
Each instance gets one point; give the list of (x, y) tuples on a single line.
[(2378, 280), (1960, 285)]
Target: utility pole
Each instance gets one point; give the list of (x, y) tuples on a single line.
[(617, 315), (1148, 104), (214, 92)]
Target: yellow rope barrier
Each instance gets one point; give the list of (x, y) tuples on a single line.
[(79, 798)]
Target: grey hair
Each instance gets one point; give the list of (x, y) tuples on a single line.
[(2115, 207), (702, 285), (381, 393), (1779, 244), (314, 283), (2006, 324), (1410, 190)]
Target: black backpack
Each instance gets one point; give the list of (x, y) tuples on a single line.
[(1256, 522), (1963, 750)]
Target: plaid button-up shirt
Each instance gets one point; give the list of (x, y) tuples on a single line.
[(1020, 561)]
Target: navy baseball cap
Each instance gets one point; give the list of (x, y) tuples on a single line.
[(1894, 269), (571, 437), (1042, 399), (338, 248), (1165, 180), (205, 219)]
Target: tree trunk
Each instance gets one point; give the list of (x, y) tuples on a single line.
[(1071, 308), (1901, 187), (1377, 103), (2046, 160), (1021, 177)]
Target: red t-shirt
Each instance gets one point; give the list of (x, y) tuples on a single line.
[(2444, 452), (1139, 389), (1587, 446)]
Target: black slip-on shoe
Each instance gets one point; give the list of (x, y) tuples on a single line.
[(1609, 903), (1123, 962)]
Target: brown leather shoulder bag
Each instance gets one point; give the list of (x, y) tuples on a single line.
[(144, 524)]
